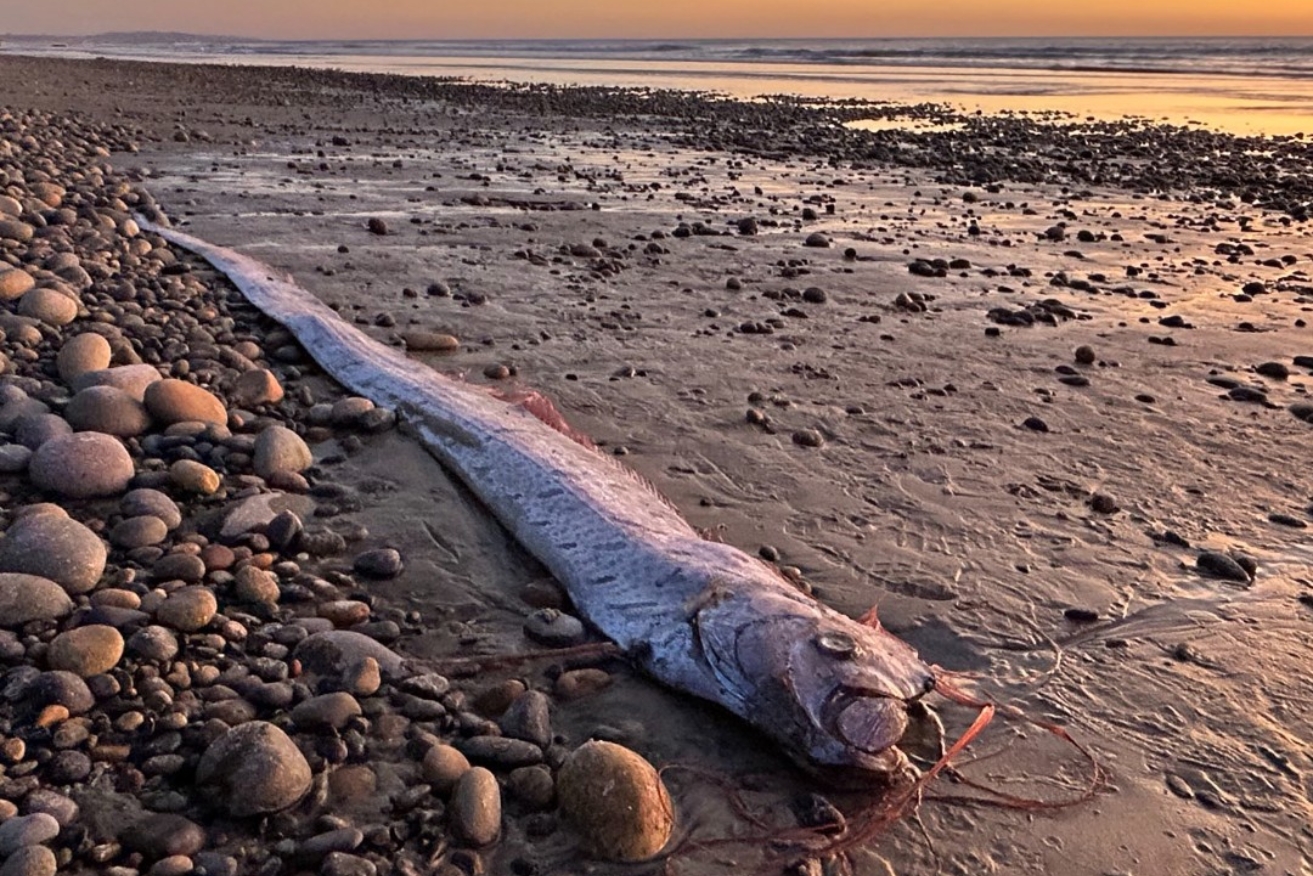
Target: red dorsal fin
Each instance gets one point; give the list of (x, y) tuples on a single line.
[(871, 618), (541, 407)]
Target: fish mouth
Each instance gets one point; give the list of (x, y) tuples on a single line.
[(868, 720)]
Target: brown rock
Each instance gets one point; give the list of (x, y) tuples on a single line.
[(14, 283), (176, 401), (82, 353), (86, 651), (616, 801)]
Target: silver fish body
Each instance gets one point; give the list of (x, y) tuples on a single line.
[(700, 616)]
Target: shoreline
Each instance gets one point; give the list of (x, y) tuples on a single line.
[(603, 256)]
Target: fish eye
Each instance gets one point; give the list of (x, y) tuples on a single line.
[(836, 644)]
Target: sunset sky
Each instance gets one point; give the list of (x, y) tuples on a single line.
[(445, 19)]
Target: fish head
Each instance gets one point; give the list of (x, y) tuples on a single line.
[(836, 690)]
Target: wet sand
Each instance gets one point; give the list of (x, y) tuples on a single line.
[(1022, 514)]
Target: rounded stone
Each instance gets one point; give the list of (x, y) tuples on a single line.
[(188, 609), (194, 477), (616, 802), (86, 651), (54, 547), (31, 861), (154, 643), (82, 353), (257, 387), (27, 830), (256, 585), (49, 306), (379, 563), (254, 769), (14, 283), (36, 429), (554, 628), (176, 401), (135, 532), (82, 465), (14, 458), (132, 379), (26, 598), (163, 835), (59, 687), (476, 807), (107, 409), (279, 449), (442, 767), (330, 711), (153, 503)]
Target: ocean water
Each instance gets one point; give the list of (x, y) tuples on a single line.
[(1246, 85)]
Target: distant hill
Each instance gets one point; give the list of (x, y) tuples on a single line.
[(127, 38)]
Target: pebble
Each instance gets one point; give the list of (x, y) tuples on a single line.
[(26, 598), (578, 683), (37, 429), (257, 387), (333, 652), (163, 835), (499, 751), (330, 711), (27, 830), (132, 379), (49, 306), (86, 651), (430, 342), (30, 861), (529, 718), (442, 767), (14, 283), (554, 628), (382, 563), (1085, 355), (254, 769), (107, 409), (177, 401), (82, 465), (817, 239), (135, 532), (81, 354), (475, 808), (54, 547), (188, 609), (343, 864), (279, 449), (194, 477), (256, 585), (62, 689), (616, 802), (533, 786), (156, 643), (1219, 565), (808, 438)]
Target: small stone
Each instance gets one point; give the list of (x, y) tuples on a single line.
[(132, 379), (333, 652), (343, 864), (26, 830), (37, 429), (1103, 503), (380, 563), (256, 585), (107, 409), (1035, 424), (26, 598), (154, 643), (194, 477), (163, 835), (188, 609), (1085, 355), (377, 226), (255, 388), (344, 612), (616, 802), (578, 683), (14, 283), (254, 769), (442, 767), (175, 401), (82, 353), (430, 342), (178, 566), (554, 628), (31, 861), (817, 239), (82, 465), (54, 547), (49, 306), (808, 438), (475, 808), (147, 502), (330, 711), (533, 786), (136, 532), (529, 718), (1274, 370), (86, 651), (279, 449), (1219, 565)]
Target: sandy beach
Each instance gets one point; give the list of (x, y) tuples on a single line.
[(1037, 389)]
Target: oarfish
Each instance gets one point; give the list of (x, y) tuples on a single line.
[(700, 616)]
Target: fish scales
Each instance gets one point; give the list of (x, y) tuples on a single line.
[(700, 616)]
